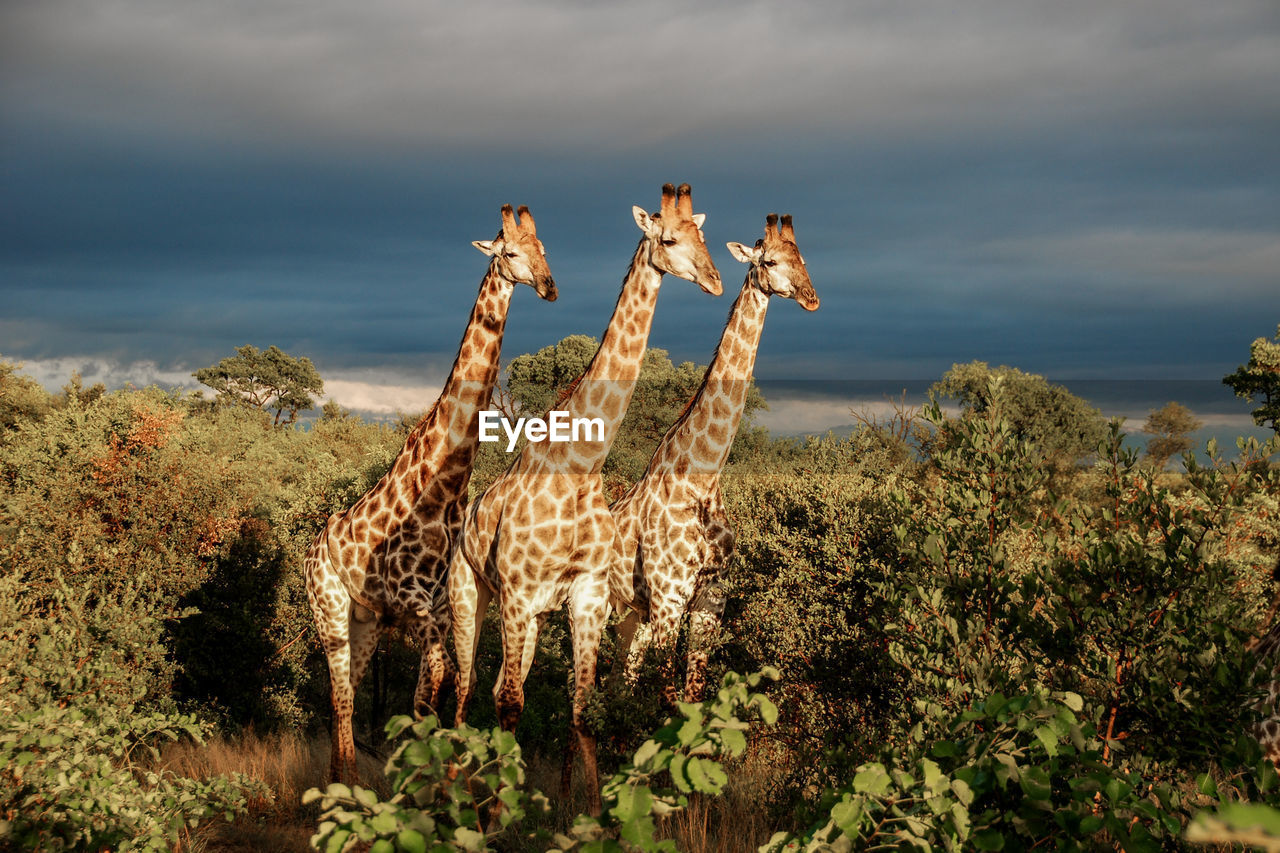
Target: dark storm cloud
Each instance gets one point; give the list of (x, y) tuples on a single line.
[(1076, 189)]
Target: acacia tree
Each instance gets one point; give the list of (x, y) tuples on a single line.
[(1064, 427), (268, 380), (1259, 381), (1169, 427)]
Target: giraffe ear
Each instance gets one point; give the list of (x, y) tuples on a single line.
[(699, 218), (486, 246), (643, 219), (743, 254)]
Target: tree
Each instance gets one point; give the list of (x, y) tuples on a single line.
[(21, 397), (1259, 381), (74, 389), (1170, 426), (270, 380), (1064, 427)]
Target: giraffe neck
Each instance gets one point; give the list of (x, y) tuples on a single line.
[(605, 388), (445, 440), (704, 434)]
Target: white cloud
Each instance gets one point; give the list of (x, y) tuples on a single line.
[(375, 391), (53, 373), (381, 398), (818, 414)]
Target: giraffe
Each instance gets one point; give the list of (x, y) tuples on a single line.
[(541, 535), (675, 535), (382, 560)]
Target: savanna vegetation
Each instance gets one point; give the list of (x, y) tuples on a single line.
[(986, 624)]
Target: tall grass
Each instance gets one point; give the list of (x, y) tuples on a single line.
[(288, 763)]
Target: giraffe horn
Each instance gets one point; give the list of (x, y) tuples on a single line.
[(668, 210), (787, 233), (509, 227), (685, 201), (526, 220), (771, 228)]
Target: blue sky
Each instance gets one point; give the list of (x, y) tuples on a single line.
[(1087, 190)]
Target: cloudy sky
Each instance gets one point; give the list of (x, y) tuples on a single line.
[(1087, 190)]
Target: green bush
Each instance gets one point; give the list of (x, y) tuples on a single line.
[(77, 749), (460, 788)]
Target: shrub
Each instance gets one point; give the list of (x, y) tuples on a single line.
[(76, 746)]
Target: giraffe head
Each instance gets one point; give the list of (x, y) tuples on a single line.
[(776, 263), (677, 246), (518, 254)]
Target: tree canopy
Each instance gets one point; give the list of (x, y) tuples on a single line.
[(1169, 427), (1065, 427), (271, 380), (1259, 381)]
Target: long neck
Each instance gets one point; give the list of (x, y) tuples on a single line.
[(703, 435), (604, 390), (444, 442)]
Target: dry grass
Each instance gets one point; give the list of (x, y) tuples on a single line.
[(735, 821), (288, 764)]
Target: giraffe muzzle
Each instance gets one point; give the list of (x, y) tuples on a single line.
[(711, 284)]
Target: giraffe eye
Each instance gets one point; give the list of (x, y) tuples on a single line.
[(668, 242), (770, 263), (510, 254)]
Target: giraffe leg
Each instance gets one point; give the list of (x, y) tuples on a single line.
[(336, 637), (702, 628), (664, 627), (704, 620), (433, 668), (331, 608), (587, 606), (629, 653), (468, 600), (508, 692), (467, 605)]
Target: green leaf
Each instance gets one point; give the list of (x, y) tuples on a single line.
[(872, 779), (411, 841), (847, 815), (1089, 824), (634, 801), (337, 841), (1035, 783), (1048, 738), (1117, 790), (944, 749), (469, 839), (735, 742), (960, 819), (988, 839), (768, 710), (646, 753), (678, 773), (934, 779), (384, 823)]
